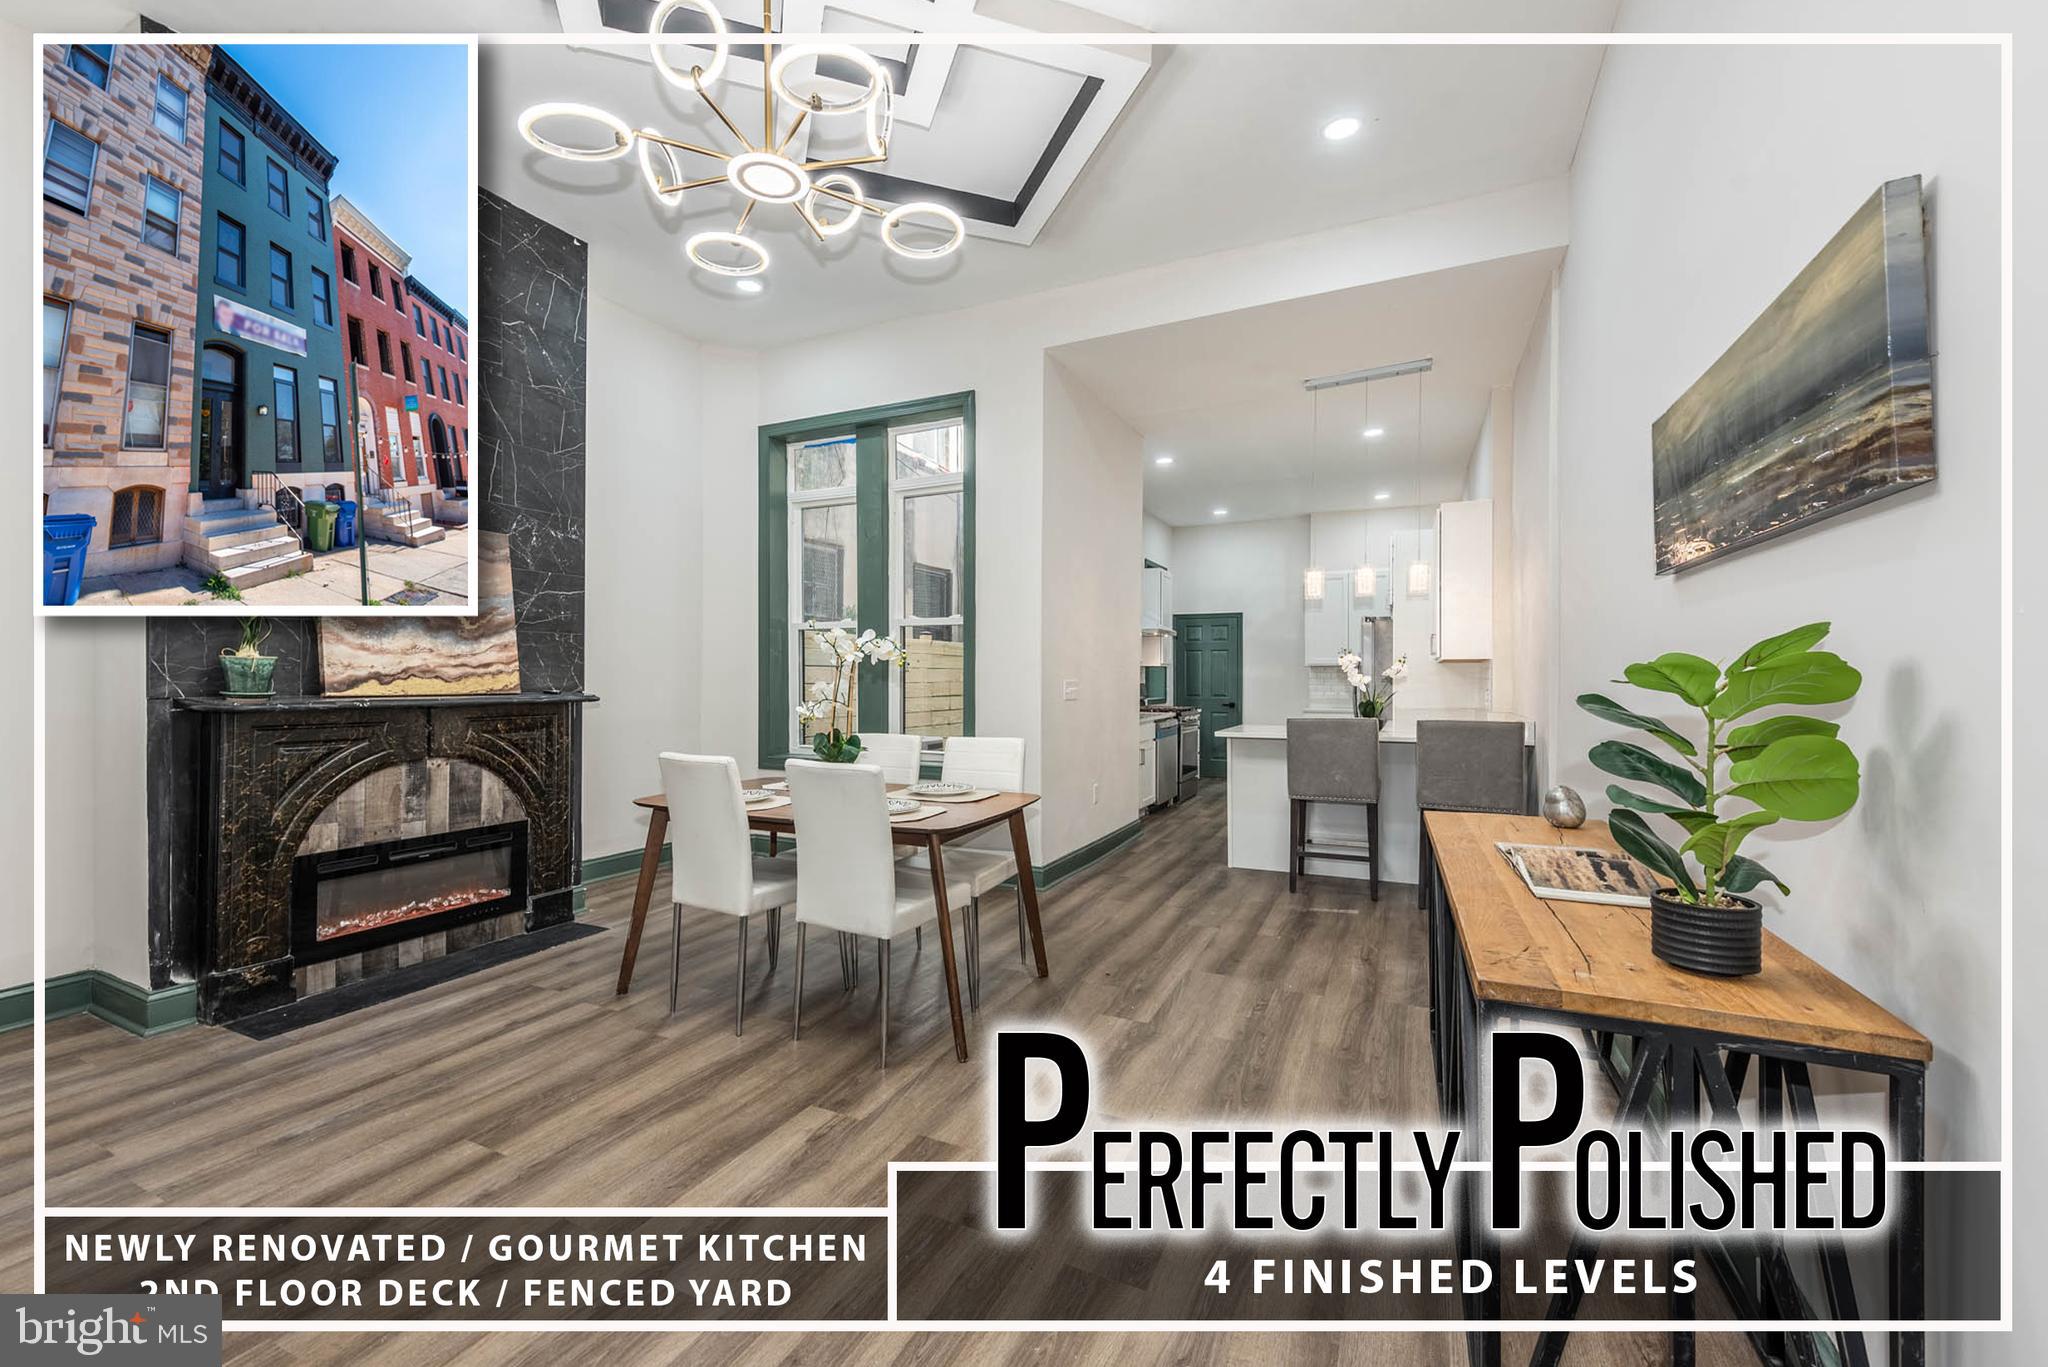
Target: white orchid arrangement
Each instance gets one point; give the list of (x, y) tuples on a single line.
[(1375, 695), (829, 699)]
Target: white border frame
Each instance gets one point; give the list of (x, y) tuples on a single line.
[(280, 611), (2003, 1164)]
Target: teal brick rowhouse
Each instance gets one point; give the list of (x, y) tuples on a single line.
[(272, 387)]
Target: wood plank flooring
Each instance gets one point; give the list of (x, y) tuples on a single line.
[(1203, 992)]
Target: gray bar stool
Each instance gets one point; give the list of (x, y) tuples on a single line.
[(1469, 766), (1332, 759)]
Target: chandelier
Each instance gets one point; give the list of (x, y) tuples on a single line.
[(824, 196)]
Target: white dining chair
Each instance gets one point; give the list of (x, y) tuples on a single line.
[(897, 755), (849, 879), (987, 860), (714, 865)]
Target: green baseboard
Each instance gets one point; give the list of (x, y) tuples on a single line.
[(1074, 861), (612, 865), (113, 1000)]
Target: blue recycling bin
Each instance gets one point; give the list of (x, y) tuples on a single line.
[(65, 538), (345, 526)]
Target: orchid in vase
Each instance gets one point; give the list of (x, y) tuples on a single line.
[(831, 700), (1375, 695)]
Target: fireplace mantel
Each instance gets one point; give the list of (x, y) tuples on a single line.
[(316, 703), (270, 768)]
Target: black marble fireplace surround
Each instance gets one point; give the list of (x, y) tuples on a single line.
[(231, 787)]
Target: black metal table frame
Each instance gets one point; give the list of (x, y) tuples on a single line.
[(1757, 1277)]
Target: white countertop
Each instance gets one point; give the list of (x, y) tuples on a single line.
[(1400, 731)]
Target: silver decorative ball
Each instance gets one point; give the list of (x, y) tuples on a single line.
[(1564, 808)]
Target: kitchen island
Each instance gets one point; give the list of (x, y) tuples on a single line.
[(1257, 799)]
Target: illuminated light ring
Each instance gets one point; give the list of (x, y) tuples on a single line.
[(878, 79), (939, 211), (654, 180), (838, 180), (720, 36), (882, 118), (622, 136), (692, 250), (739, 169)]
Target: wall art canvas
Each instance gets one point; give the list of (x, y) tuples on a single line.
[(386, 657), (1825, 403)]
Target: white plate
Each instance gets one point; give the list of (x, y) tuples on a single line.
[(756, 796), (899, 806), (934, 788)]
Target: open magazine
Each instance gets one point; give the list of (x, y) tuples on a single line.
[(1577, 874)]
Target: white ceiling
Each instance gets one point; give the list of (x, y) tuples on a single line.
[(1223, 394), (1220, 148)]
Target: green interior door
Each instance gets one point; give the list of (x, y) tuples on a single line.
[(1208, 656)]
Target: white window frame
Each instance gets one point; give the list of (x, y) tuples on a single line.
[(839, 495), (160, 111), (901, 623)]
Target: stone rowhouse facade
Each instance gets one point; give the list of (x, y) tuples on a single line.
[(441, 339), (375, 317), (253, 142), (111, 281)]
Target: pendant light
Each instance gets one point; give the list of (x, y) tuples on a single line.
[(1365, 580), (1312, 577), (1418, 568)]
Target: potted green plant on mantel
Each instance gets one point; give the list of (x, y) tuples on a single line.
[(1745, 775), (830, 701), (246, 669)]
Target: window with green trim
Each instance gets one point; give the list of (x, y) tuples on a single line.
[(867, 523)]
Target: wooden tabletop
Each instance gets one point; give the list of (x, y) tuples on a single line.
[(1595, 960), (957, 818)]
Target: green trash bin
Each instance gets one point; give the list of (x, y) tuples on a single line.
[(320, 525)]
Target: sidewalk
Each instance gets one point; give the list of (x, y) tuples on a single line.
[(436, 574)]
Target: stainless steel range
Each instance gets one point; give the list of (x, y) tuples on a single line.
[(1190, 751)]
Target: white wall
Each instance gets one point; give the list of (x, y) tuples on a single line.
[(96, 826), (1526, 684), (1090, 571), (1705, 179), (1253, 568), (644, 645), (1158, 541), (17, 548), (1491, 475)]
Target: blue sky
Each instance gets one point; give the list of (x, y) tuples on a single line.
[(398, 118)]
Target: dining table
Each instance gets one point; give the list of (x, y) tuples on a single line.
[(930, 832)]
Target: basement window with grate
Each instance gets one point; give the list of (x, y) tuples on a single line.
[(138, 517)]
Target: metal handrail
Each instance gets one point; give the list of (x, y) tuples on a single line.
[(284, 502)]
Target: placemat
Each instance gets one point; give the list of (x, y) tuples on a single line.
[(767, 806), (971, 795), (924, 810)]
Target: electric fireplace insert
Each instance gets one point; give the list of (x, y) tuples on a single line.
[(348, 900)]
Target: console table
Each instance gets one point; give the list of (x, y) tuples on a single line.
[(1500, 955)]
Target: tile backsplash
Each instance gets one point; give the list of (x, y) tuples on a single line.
[(1327, 691)]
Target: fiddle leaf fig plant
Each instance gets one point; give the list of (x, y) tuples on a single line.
[(1744, 775)]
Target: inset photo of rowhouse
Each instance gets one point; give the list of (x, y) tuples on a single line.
[(258, 261)]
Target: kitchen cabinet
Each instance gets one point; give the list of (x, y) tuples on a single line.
[(1463, 587), (1156, 600), (1148, 761), (1330, 627)]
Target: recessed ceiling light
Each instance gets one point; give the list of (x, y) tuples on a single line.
[(1336, 130), (1162, 460), (1371, 432), (747, 286), (1381, 494), (1219, 512)]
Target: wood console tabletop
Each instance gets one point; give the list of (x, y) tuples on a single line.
[(1595, 960)]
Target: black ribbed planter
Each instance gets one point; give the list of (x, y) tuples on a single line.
[(1725, 942)]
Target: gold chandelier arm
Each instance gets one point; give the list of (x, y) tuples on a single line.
[(697, 79), (849, 199), (689, 185), (834, 165), (745, 214), (682, 146), (767, 86), (803, 212), (788, 137)]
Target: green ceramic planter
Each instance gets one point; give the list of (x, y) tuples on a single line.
[(247, 676)]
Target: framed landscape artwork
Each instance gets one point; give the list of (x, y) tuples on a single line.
[(1825, 403)]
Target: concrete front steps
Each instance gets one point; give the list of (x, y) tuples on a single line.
[(246, 546), (400, 523)]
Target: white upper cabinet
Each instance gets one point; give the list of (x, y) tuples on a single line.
[(1464, 581), (1330, 627), (1156, 600)]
